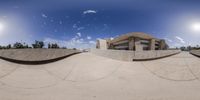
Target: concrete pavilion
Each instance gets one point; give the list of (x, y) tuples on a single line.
[(137, 41)]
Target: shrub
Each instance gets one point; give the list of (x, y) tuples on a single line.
[(54, 45), (18, 45), (38, 44)]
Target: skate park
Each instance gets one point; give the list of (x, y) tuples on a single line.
[(36, 56), (99, 50), (88, 75)]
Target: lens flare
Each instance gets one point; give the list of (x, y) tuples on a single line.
[(196, 27), (1, 27)]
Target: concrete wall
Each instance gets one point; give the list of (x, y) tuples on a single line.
[(152, 44), (125, 55), (138, 46), (195, 52), (102, 44), (131, 44), (35, 55)]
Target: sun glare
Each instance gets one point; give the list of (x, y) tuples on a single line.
[(1, 27), (196, 27)]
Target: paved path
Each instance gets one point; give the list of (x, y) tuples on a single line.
[(86, 76)]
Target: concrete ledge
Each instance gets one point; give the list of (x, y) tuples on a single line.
[(195, 52), (36, 56), (125, 55), (155, 57)]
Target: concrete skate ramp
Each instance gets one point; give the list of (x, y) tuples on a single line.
[(87, 76), (195, 52), (78, 68), (35, 56), (125, 55)]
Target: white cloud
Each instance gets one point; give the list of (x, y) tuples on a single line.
[(169, 40), (174, 45), (92, 42), (74, 26), (180, 39), (75, 42), (52, 20), (55, 30), (44, 16), (16, 7), (89, 11), (80, 28), (89, 37), (60, 22), (79, 34)]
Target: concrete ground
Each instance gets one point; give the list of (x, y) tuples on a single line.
[(86, 76)]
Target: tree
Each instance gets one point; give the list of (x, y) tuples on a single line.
[(9, 46), (38, 44), (64, 47), (197, 47), (74, 49), (18, 45), (49, 45), (54, 45), (189, 48), (183, 48)]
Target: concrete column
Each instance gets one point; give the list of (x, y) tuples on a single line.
[(162, 44), (102, 44), (152, 44), (131, 43), (138, 46)]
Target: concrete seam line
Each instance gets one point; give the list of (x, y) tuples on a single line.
[(69, 73), (190, 69), (9, 73), (30, 87), (50, 73), (106, 76), (47, 86), (162, 76)]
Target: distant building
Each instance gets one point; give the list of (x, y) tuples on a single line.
[(102, 44), (137, 41)]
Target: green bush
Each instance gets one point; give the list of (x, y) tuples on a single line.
[(38, 44), (54, 45)]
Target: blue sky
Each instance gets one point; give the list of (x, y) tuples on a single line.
[(78, 23)]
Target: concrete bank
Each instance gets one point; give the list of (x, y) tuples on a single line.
[(195, 52), (125, 55), (35, 56)]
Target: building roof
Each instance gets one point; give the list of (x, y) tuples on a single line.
[(132, 34)]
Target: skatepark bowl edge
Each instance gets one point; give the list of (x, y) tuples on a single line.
[(36, 56), (95, 75)]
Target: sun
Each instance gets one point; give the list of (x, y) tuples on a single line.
[(196, 27), (1, 27)]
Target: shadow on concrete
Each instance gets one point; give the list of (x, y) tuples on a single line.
[(37, 62)]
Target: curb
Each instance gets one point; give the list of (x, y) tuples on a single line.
[(37, 62), (155, 58)]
